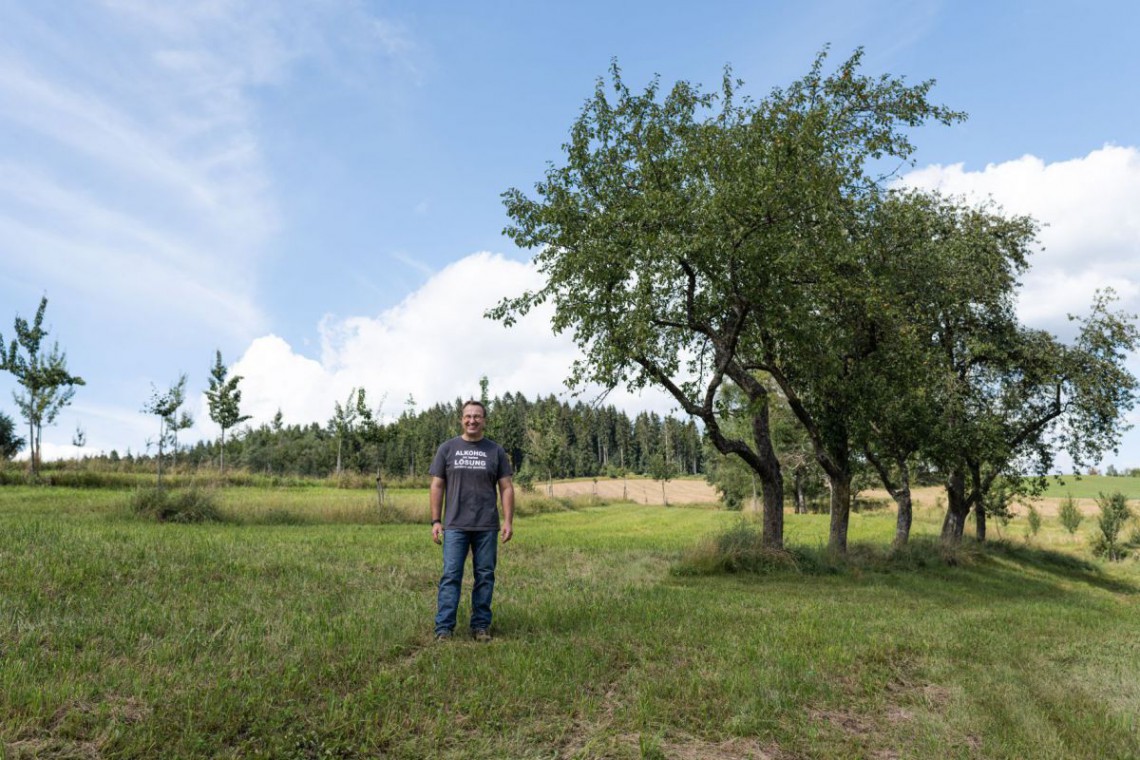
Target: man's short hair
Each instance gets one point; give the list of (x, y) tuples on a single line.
[(473, 402)]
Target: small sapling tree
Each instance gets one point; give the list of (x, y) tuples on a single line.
[(1070, 516), (48, 386), (79, 440), (165, 406), (1034, 522), (372, 431), (1114, 514), (343, 424), (224, 400), (663, 469)]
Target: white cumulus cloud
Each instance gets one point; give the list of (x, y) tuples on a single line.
[(1091, 224), (1090, 235), (434, 346)]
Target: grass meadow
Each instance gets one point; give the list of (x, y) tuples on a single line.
[(1091, 486), (301, 628)]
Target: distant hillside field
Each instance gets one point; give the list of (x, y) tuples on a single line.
[(1088, 486)]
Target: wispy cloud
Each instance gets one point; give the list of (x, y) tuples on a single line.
[(119, 198), (137, 147), (413, 263), (137, 186)]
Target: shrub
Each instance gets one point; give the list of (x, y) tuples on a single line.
[(1114, 514), (1034, 518), (193, 505), (524, 479), (391, 513), (1070, 516)]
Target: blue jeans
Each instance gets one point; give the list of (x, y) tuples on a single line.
[(484, 549)]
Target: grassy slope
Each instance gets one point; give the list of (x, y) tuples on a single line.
[(127, 639), (1090, 486)]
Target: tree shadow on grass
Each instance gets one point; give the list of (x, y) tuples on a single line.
[(999, 568), (1059, 564), (984, 567)]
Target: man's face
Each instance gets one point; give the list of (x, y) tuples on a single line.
[(473, 423)]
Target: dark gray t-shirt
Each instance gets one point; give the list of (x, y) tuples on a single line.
[(472, 470)]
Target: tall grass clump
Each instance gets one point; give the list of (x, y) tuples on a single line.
[(1069, 515), (192, 505), (740, 549), (1114, 514), (535, 504)]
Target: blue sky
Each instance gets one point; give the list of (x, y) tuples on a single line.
[(313, 187)]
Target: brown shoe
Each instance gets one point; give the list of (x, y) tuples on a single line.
[(482, 635)]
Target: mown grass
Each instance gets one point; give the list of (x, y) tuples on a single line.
[(1091, 486), (126, 638)]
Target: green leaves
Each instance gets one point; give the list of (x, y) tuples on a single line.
[(223, 397), (699, 237), (166, 405), (48, 386)]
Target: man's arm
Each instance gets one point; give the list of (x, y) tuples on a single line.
[(438, 485), (507, 493)]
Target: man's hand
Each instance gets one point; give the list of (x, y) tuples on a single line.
[(506, 532), (437, 532)]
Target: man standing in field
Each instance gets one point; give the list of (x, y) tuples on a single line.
[(472, 472)]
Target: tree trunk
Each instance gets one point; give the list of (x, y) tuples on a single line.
[(900, 492), (379, 489), (222, 454), (773, 493), (771, 481), (957, 508), (35, 452), (979, 502), (161, 435), (902, 498), (840, 511), (801, 494)]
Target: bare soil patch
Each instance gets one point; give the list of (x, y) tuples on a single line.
[(639, 490)]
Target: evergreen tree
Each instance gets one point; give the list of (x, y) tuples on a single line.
[(10, 443)]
